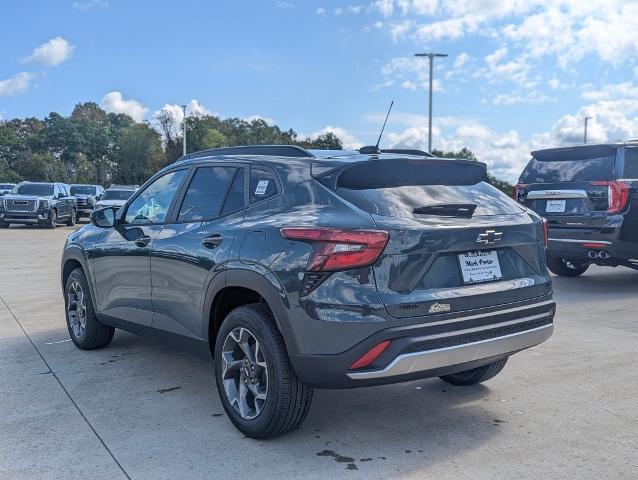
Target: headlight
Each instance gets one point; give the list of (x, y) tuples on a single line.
[(44, 203)]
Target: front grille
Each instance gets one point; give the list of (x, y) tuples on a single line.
[(456, 340), (82, 202), (13, 205)]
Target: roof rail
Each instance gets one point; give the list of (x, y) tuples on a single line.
[(270, 150)]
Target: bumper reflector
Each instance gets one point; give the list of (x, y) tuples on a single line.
[(371, 355)]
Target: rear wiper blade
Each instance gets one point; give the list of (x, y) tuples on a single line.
[(447, 209)]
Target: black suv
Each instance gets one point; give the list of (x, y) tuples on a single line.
[(588, 194), (86, 197), (303, 269), (34, 203)]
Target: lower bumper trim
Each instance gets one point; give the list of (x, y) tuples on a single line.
[(433, 359)]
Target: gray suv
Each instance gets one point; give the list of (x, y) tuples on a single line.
[(38, 203), (298, 269)]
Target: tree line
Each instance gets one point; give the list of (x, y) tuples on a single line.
[(96, 147)]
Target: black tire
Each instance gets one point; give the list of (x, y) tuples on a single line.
[(53, 219), (287, 399), (565, 268), (476, 375), (72, 219), (95, 334)]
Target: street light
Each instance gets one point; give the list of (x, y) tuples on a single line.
[(586, 120), (184, 125), (431, 57)]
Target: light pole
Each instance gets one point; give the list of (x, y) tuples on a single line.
[(587, 119), (431, 57), (184, 125)]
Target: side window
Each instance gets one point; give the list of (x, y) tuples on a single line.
[(631, 163), (65, 191), (152, 205), (263, 184), (235, 197), (56, 190), (206, 193)]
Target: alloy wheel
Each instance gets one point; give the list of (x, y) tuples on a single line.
[(76, 309), (244, 373)]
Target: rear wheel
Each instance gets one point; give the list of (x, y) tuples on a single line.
[(86, 331), (566, 268), (256, 383), (476, 375)]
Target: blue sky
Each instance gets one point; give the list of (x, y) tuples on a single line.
[(520, 74)]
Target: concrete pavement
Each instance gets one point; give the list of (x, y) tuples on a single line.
[(140, 410)]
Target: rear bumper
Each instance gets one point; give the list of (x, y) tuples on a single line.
[(574, 244), (441, 345)]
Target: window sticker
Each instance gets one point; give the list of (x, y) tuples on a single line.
[(262, 186)]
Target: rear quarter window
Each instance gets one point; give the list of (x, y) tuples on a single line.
[(263, 184)]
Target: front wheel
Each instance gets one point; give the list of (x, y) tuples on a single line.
[(53, 219), (256, 383), (72, 219), (86, 331), (566, 268), (476, 375)]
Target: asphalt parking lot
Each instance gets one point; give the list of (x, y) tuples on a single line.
[(140, 410)]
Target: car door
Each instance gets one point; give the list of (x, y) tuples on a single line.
[(68, 200), (192, 249), (60, 204), (122, 256)]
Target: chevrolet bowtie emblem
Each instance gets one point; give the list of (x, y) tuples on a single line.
[(489, 237)]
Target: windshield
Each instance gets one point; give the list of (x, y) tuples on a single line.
[(117, 194), (82, 190), (576, 170), (38, 189)]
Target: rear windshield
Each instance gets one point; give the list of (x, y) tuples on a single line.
[(401, 201), (34, 189), (554, 171), (117, 194)]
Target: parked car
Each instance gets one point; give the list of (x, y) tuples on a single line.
[(301, 269), (86, 197), (588, 194), (116, 196), (6, 188), (37, 203)]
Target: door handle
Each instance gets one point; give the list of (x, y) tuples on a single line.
[(213, 241), (143, 241)]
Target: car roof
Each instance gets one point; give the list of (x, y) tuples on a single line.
[(589, 150)]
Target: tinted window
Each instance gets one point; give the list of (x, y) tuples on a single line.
[(401, 201), (117, 194), (631, 163), (553, 171), (34, 189), (152, 205), (206, 193), (235, 197), (263, 184), (4, 186)]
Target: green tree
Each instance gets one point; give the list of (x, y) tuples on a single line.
[(139, 155)]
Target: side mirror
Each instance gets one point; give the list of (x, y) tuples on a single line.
[(103, 218)]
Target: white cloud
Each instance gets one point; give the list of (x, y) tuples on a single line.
[(51, 53), (514, 98), (408, 85), (384, 7), (321, 12), (355, 9), (284, 4), (460, 60), (89, 4), (349, 140), (114, 102), (193, 108), (338, 11), (554, 83), (251, 118), (19, 83)]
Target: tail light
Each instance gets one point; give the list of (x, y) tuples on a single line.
[(618, 194), (545, 232), (518, 188), (335, 250)]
